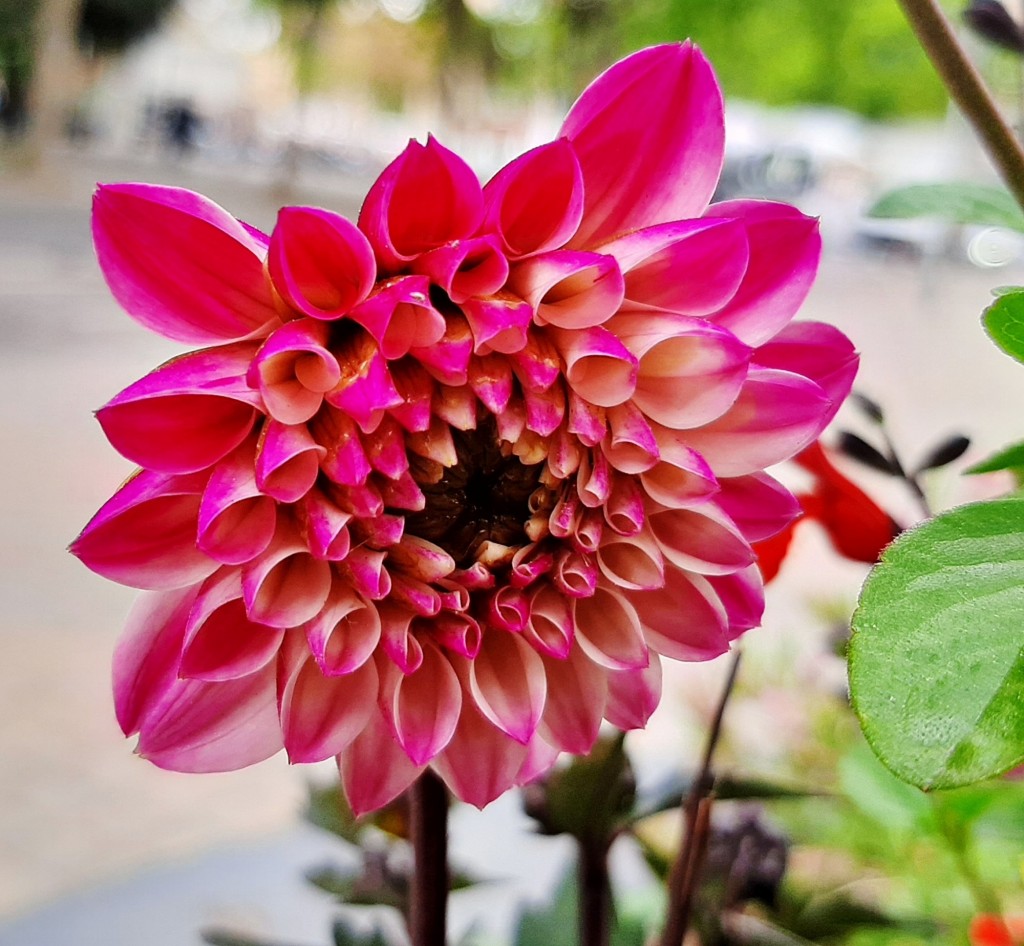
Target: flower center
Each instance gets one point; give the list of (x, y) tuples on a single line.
[(484, 497)]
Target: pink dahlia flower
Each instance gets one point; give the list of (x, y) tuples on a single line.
[(448, 482)]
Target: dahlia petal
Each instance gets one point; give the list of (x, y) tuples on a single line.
[(507, 683), (146, 655), (594, 479), (219, 726), (320, 262), (565, 516), (633, 695), (586, 421), (649, 134), (817, 351), (403, 493), (682, 477), (287, 461), (544, 410), (364, 501), (321, 715), (608, 630), (416, 595), (326, 527), (458, 633), (742, 594), (221, 643), (374, 769), (236, 522), (380, 532), (537, 365), (187, 414), (385, 449), (571, 290), (466, 268), (633, 562), (759, 505), (785, 247), (416, 387), (480, 762), (690, 371), (535, 203), (776, 415), (528, 564), (397, 641), (345, 461), (498, 323), (690, 267), (631, 448), (508, 608), (399, 316), (598, 367), (285, 586), (511, 422), (564, 454), (701, 539), (577, 696), (426, 197), (624, 510), (145, 534), (366, 389), (156, 247), (550, 630), (456, 407), (364, 568), (447, 359), (540, 757), (344, 633), (293, 369), (684, 620), (421, 559), (490, 377), (423, 706), (586, 537), (575, 574)]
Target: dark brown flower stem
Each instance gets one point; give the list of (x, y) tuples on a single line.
[(595, 894), (686, 869), (967, 88), (428, 830)]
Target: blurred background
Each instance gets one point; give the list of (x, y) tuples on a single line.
[(257, 103)]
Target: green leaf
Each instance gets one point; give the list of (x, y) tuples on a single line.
[(937, 653), (958, 203), (1004, 322), (1009, 458)]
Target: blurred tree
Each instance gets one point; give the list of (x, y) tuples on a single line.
[(16, 44)]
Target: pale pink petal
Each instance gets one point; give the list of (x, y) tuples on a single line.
[(683, 476), (537, 365), (575, 574), (380, 532), (345, 461), (550, 630), (366, 389), (457, 407), (759, 505), (480, 762), (544, 410), (421, 559), (344, 633), (785, 247), (498, 323), (364, 569), (374, 769), (326, 526), (181, 265), (385, 449), (535, 203), (564, 454), (426, 197), (423, 707), (287, 461), (145, 534), (320, 262), (321, 715), (508, 608), (597, 365), (649, 134), (633, 695), (403, 493), (631, 448), (624, 510), (435, 444), (398, 643), (690, 267), (507, 683), (633, 562), (587, 421), (577, 696), (540, 757), (587, 536), (608, 630), (293, 369), (364, 501), (690, 371), (416, 387), (458, 633), (419, 597), (528, 564), (569, 289), (594, 479), (686, 619), (187, 414), (399, 316), (776, 415), (466, 268), (701, 539), (490, 377)]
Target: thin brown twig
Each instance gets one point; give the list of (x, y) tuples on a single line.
[(428, 829)]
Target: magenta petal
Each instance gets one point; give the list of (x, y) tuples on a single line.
[(465, 268), (426, 197), (346, 461), (287, 461), (399, 316), (608, 630), (742, 594), (631, 448), (633, 695), (490, 377), (686, 619), (321, 715), (535, 203), (366, 389), (649, 134), (508, 685), (326, 526), (181, 265), (550, 630), (345, 632), (597, 365), (776, 415), (498, 323), (187, 414), (480, 763), (759, 505), (374, 769), (577, 696), (700, 539), (320, 262), (145, 534), (785, 247), (570, 290), (448, 359), (682, 477), (632, 562)]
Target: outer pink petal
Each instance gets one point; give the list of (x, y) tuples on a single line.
[(634, 562), (287, 461), (649, 134), (682, 477), (374, 769), (536, 202), (569, 289), (742, 593), (686, 619), (507, 683), (181, 265), (466, 268), (320, 263), (399, 316), (608, 630), (577, 696), (145, 534), (759, 505), (597, 365), (366, 389), (701, 539), (345, 633), (481, 762), (633, 695), (551, 629), (785, 247), (187, 414)]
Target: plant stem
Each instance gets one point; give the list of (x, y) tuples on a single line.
[(428, 829), (968, 90), (595, 892), (682, 881)]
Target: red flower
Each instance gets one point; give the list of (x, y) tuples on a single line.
[(989, 930)]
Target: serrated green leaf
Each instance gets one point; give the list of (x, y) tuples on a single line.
[(937, 652), (958, 203), (1009, 458), (1004, 322)]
